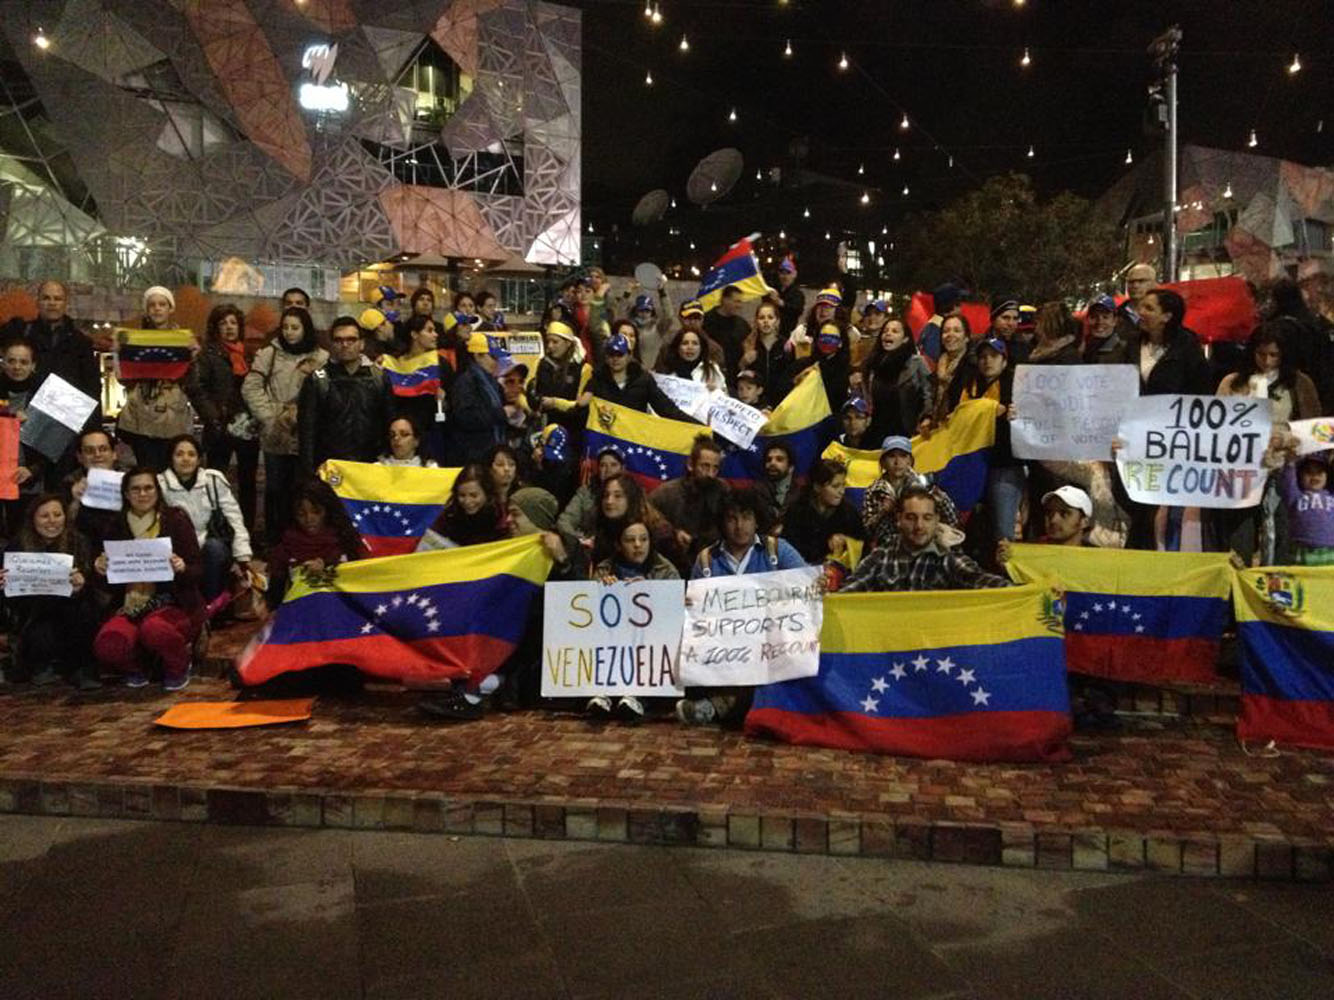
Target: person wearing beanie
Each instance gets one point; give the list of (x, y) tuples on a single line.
[(947, 301), (156, 410)]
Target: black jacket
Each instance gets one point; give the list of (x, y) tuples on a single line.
[(476, 415), (62, 349), (1181, 369), (641, 391), (214, 389), (341, 415)]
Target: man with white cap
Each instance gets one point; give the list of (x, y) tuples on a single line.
[(1067, 516)]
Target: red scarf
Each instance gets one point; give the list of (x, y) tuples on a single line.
[(236, 355)]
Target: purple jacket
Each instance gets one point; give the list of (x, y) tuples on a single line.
[(1310, 512)]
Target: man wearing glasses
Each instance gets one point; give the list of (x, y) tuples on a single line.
[(343, 408)]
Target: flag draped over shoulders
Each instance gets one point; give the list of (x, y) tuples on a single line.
[(963, 675), (1151, 617), (390, 505), (1285, 623), (431, 616)]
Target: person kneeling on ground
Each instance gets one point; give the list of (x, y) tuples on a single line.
[(745, 547), (916, 558), (319, 538)]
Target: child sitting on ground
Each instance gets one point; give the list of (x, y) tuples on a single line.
[(320, 537), (1304, 487)]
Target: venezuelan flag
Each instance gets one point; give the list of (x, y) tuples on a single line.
[(655, 448), (419, 618), (963, 675), (1150, 617), (863, 469), (958, 453), (1285, 621), (390, 505), (153, 354), (802, 420), (418, 375), (739, 267)]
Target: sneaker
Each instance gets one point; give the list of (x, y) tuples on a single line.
[(598, 708), (136, 680), (177, 682), (45, 678), (89, 682), (696, 712), (630, 710), (453, 705)]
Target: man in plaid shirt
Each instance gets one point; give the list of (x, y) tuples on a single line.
[(915, 559)]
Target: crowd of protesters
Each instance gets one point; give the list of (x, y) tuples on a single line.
[(516, 434)]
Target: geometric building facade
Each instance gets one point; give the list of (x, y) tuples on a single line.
[(330, 132)]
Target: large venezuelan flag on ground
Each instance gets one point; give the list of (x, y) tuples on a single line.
[(1285, 621), (739, 267), (418, 375), (802, 420), (153, 354), (958, 453), (390, 505), (964, 675), (1150, 617), (431, 616)]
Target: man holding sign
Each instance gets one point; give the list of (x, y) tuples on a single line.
[(744, 548), (152, 577)]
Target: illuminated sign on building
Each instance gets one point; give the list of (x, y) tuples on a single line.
[(318, 96)]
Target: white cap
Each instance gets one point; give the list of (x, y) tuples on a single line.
[(1071, 496)]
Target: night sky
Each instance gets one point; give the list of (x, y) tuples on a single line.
[(954, 67)]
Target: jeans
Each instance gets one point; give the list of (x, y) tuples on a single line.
[(219, 448), (279, 484), (217, 562), (1005, 492), (1142, 534)]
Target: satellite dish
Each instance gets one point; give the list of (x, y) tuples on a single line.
[(649, 276), (651, 208), (714, 176)]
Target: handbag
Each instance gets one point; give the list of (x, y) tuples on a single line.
[(218, 526)]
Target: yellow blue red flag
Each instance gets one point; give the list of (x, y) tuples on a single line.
[(418, 375), (1150, 617), (163, 355), (1285, 622), (738, 267), (863, 467), (390, 505), (655, 449), (802, 421), (418, 618), (957, 455), (962, 675)]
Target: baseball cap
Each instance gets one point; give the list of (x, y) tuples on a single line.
[(829, 296), (750, 375), (1104, 302), (479, 343), (1071, 496), (787, 265), (1004, 305), (690, 307), (371, 319), (876, 305), (896, 442), (996, 344), (643, 303), (617, 344), (856, 403)]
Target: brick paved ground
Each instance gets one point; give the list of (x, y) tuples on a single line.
[(1174, 795)]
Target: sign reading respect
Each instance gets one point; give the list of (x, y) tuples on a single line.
[(1195, 451)]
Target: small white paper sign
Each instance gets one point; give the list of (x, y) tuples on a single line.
[(62, 401), (1195, 451), (139, 560), (693, 397), (103, 490), (735, 420), (34, 574), (611, 639), (757, 628), (1070, 413), (1316, 434)]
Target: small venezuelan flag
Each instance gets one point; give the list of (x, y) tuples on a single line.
[(802, 420), (961, 675), (739, 267), (1285, 621), (162, 355), (419, 618), (418, 375), (1149, 617), (390, 505)]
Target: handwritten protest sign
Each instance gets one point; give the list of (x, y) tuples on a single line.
[(1316, 434), (56, 412), (33, 574), (693, 397), (103, 490), (1069, 413), (139, 560), (611, 639), (735, 420), (1195, 451), (753, 629)]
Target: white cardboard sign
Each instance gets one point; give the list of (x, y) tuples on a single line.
[(1070, 413), (103, 491), (34, 574), (139, 560)]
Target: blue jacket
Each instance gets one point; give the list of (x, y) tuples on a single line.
[(767, 554)]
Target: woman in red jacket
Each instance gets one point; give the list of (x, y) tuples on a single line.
[(151, 620)]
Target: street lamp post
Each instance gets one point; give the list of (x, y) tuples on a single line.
[(1164, 52)]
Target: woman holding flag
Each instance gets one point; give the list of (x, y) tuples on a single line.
[(153, 363), (414, 383), (559, 383)]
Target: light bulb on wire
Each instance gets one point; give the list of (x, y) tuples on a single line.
[(904, 124), (1026, 59), (897, 154), (905, 190), (1295, 66), (685, 44), (842, 60), (648, 11), (866, 197), (884, 230), (806, 212), (951, 162), (1227, 191), (656, 19), (1253, 141), (731, 115), (787, 49), (861, 169), (648, 78), (1031, 152), (40, 40), (1130, 157)]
